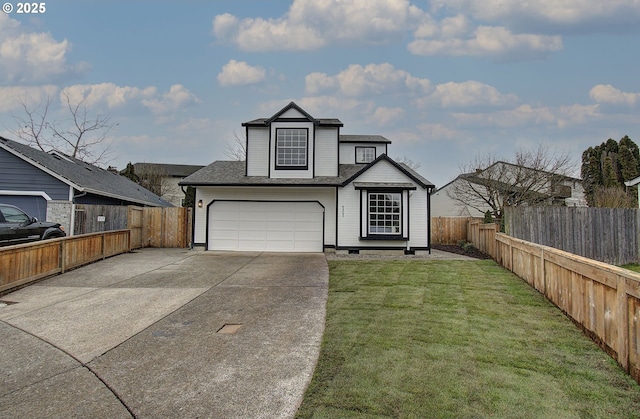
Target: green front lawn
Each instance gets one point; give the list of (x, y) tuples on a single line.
[(632, 267), (455, 339)]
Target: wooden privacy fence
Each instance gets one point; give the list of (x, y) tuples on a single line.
[(150, 226), (449, 230), (603, 299), (609, 235), (24, 263)]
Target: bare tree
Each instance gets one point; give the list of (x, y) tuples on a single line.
[(612, 197), (407, 161), (81, 136), (236, 149), (530, 178), (152, 177)]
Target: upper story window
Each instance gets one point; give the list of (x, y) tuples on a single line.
[(365, 154), (291, 148)]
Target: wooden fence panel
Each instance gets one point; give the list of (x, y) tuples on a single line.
[(134, 223), (608, 235), (24, 263), (449, 230), (97, 218)]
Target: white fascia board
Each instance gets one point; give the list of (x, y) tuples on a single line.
[(26, 193), (41, 167), (633, 181)]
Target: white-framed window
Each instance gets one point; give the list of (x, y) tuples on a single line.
[(385, 210), (291, 148), (365, 154)]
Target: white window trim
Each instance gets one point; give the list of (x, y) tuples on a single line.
[(278, 147), (395, 217), (362, 158)]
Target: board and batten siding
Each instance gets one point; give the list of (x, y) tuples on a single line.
[(348, 151), (349, 207), (326, 141), (326, 196), (258, 152)]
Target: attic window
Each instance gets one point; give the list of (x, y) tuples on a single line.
[(365, 154), (291, 148)]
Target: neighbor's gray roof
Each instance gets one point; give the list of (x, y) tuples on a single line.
[(172, 170), (344, 138), (87, 177), (232, 173), (263, 122)]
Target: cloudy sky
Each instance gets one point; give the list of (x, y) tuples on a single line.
[(444, 80)]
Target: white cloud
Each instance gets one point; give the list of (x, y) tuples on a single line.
[(384, 116), (465, 94), (372, 79), (562, 15), (29, 57), (177, 97), (606, 93), (526, 115), (12, 97), (493, 41), (109, 94), (310, 25), (239, 73), (437, 132)]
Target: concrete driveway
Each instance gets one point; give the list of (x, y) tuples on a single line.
[(165, 333)]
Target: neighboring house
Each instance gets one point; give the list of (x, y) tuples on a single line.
[(29, 178), (305, 187), (634, 182), (550, 189), (167, 177)]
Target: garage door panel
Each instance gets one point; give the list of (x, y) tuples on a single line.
[(266, 226)]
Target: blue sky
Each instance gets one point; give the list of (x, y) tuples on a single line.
[(445, 81)]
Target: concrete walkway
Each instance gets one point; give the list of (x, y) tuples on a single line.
[(142, 335)]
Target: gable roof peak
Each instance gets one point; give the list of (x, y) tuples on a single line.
[(292, 105)]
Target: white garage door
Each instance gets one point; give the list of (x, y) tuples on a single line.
[(266, 226)]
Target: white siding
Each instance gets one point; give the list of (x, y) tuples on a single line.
[(298, 174), (351, 213), (326, 140), (291, 113), (326, 196), (348, 151), (258, 152)]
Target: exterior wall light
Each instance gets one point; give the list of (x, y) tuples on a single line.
[(200, 203)]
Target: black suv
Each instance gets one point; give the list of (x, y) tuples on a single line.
[(17, 227)]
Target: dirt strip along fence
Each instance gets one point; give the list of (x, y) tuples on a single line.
[(604, 300), (24, 263), (609, 235), (449, 230)]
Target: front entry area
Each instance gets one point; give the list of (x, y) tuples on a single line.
[(265, 226)]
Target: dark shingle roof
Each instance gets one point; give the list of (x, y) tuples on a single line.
[(334, 122), (363, 139), (172, 170), (232, 173), (87, 177)]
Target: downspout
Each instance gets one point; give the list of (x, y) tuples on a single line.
[(429, 219)]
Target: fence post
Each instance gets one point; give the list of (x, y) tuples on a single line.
[(103, 245), (542, 271), (623, 322), (62, 256)]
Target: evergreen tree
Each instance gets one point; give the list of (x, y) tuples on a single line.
[(608, 165), (130, 172)]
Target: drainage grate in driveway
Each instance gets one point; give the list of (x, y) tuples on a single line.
[(229, 329)]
